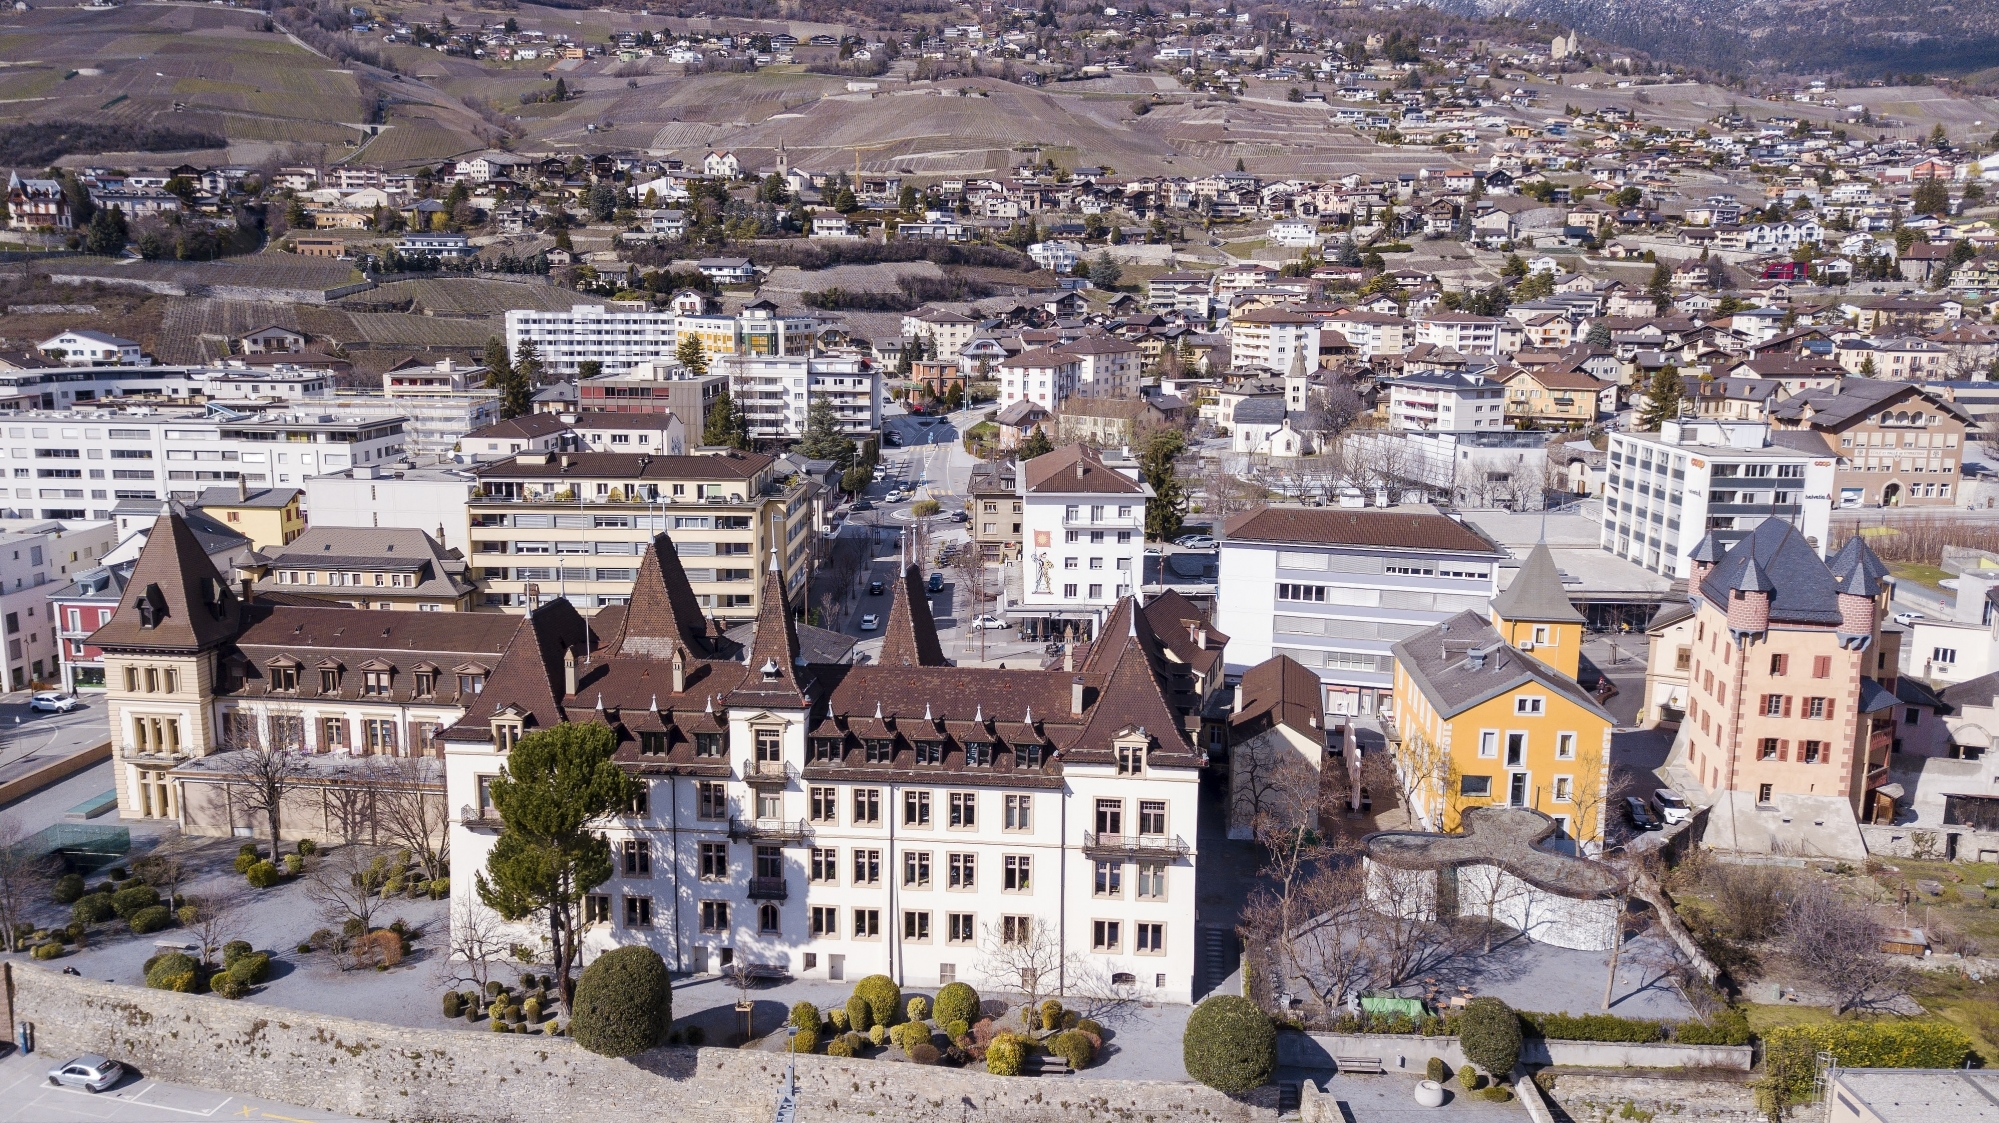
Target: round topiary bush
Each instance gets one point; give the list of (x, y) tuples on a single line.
[(151, 920), (1489, 1033), (1090, 1026), (805, 1016), (1050, 1014), (623, 1004), (250, 969), (126, 902), (877, 1034), (68, 889), (860, 1018), (1468, 1077), (842, 1045), (173, 971), (804, 1041), (92, 908), (261, 875), (957, 1002), (531, 1009), (235, 950), (188, 916), (1437, 1071), (246, 856), (1074, 1047), (1006, 1055), (838, 1016), (918, 1008), (47, 951), (452, 1007), (308, 847), (883, 996), (228, 986), (957, 1029), (925, 1055), (294, 865), (1229, 1044)]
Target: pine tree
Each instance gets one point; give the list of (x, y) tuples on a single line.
[(1168, 505), (692, 357), (823, 439), (517, 388), (724, 427), (1599, 335), (1036, 444), (497, 361), (1660, 288), (1662, 398)]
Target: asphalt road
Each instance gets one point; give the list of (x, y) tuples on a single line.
[(29, 739), (26, 1096)]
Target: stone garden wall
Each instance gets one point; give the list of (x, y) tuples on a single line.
[(395, 1073)]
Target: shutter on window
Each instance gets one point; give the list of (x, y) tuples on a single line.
[(1829, 704), (1787, 705), (347, 733), (1784, 750)]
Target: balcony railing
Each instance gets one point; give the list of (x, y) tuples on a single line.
[(1136, 845), (767, 889), (769, 773), (789, 831), (487, 818)]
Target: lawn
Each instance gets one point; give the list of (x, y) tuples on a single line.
[(1929, 575)]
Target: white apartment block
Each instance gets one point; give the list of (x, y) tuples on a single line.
[(1374, 333), (78, 464), (1274, 338), (775, 392), (1335, 589), (1083, 540), (37, 559), (1465, 334), (615, 337), (1666, 491), (948, 332), (1446, 401), (1107, 367), (1046, 376), (430, 499)]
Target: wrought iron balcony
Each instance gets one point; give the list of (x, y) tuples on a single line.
[(767, 889), (1140, 846), (784, 831)]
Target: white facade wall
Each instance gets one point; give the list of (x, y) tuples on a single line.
[(1664, 492), (1091, 547), (593, 333), (36, 560), (1047, 386), (1467, 335), (775, 392), (1418, 408), (423, 500), (1253, 344)]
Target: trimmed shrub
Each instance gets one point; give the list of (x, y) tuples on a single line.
[(1051, 1014), (838, 1016), (1594, 1027), (250, 969), (807, 1041), (877, 1035), (1074, 1047), (151, 920), (246, 857), (624, 1003), (1730, 1027), (126, 902), (1489, 1033), (957, 1002), (175, 971), (841, 1046), (1089, 1026), (494, 987), (1006, 1055), (1468, 1077), (860, 1018), (805, 1016), (1495, 1093), (1230, 1045), (909, 1035), (1437, 1071), (883, 996), (93, 908), (188, 916), (499, 1025), (452, 1007), (1789, 1051), (235, 950), (308, 847), (918, 1008), (925, 1054), (262, 875), (957, 1029), (294, 865), (227, 985), (531, 1009), (69, 888), (47, 951)]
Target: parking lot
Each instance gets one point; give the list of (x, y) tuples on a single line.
[(27, 1096)]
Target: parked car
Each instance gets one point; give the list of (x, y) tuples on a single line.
[(863, 505), (53, 702), (1907, 619), (894, 496), (90, 1072), (959, 516), (983, 622), (936, 582), (1672, 808), (870, 622), (1641, 819), (876, 588), (1197, 542)]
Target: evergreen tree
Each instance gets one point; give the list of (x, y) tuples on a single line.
[(106, 233), (497, 361), (1660, 288), (1599, 335), (724, 427), (823, 439), (588, 369), (1104, 272), (1036, 444), (1662, 398), (517, 389), (692, 357), (1931, 197), (1168, 505)]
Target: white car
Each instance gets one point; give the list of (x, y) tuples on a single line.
[(90, 1072), (983, 622), (894, 496), (1671, 806), (1198, 542), (53, 702), (1907, 619), (870, 622)]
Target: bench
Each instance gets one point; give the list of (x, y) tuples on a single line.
[(1046, 1064), (1365, 1065), (766, 972)]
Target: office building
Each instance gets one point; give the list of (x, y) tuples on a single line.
[(1083, 525)]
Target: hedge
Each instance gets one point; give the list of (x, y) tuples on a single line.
[(94, 908), (805, 1016), (149, 920), (1229, 1044), (1884, 1044), (883, 996), (624, 1003), (1593, 1027), (1729, 1028), (956, 1002), (127, 902), (1489, 1034), (173, 971)]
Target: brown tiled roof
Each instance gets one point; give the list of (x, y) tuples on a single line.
[(630, 465), (911, 637), (1130, 700), (771, 673), (1279, 691), (188, 605), (1077, 469), (401, 642), (1041, 358), (1405, 528), (663, 613)]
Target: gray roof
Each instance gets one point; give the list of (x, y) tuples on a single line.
[(1260, 410), (1463, 661), (1802, 587), (389, 549), (273, 497), (1857, 397), (1536, 592)]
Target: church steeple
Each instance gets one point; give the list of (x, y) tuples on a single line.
[(1534, 614)]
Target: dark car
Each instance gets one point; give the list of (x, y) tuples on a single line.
[(863, 505), (1640, 816), (876, 588), (936, 584)]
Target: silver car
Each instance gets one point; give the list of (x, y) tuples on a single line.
[(1671, 806), (89, 1072)]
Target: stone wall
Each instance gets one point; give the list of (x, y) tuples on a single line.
[(395, 1073), (1317, 1050), (1598, 1098)]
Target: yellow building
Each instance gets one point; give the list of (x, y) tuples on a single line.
[(269, 516), (1488, 711)]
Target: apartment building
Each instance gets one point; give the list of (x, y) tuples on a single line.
[(614, 337), (1463, 333), (1107, 367), (1273, 338), (78, 464), (547, 525), (995, 507), (758, 330), (836, 820), (947, 332), (659, 433), (1373, 333), (1045, 376), (1334, 589), (428, 498), (1447, 401), (1901, 444), (1083, 533), (269, 517), (774, 393), (651, 385), (37, 558), (1666, 491), (392, 568)]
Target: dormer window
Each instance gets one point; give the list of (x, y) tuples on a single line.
[(376, 683), (284, 680), (652, 744), (470, 685), (978, 754), (1028, 755), (506, 733), (426, 683), (1131, 759), (929, 752), (708, 744), (329, 680), (825, 749), (879, 750)]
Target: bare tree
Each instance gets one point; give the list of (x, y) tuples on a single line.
[(1423, 780), (1273, 790), (1094, 991), (479, 943), (1838, 944), (262, 774), (1333, 953), (214, 922), (22, 876), (1026, 958), (1489, 890), (1408, 937), (1589, 794), (166, 866), (410, 808), (346, 884)]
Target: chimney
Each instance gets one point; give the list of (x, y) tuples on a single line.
[(1076, 695), (1079, 467), (242, 488), (568, 672), (1069, 656), (245, 586), (1236, 708), (1201, 638), (679, 671)]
